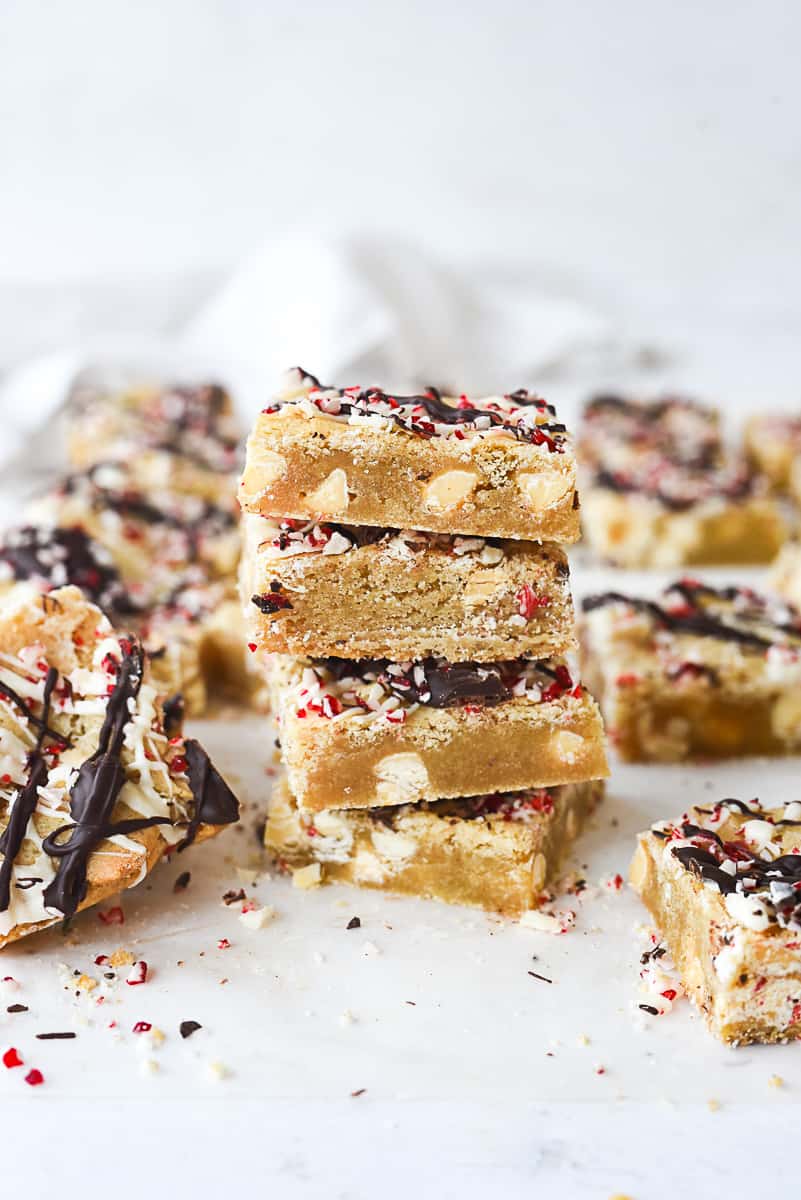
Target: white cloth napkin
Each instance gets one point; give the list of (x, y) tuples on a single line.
[(349, 309)]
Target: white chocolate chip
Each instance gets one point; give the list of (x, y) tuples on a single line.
[(264, 471), (257, 918), (331, 497), (307, 877), (542, 489), (402, 778), (392, 846), (568, 745), (748, 911), (541, 921), (449, 489)]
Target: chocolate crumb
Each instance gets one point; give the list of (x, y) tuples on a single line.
[(232, 897), (187, 1028), (353, 923), (16, 1008), (182, 882)]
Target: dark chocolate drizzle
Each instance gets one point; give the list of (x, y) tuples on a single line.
[(94, 794), (25, 804), (173, 708), (215, 803), (58, 556), (702, 622)]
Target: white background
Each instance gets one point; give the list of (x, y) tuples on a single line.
[(644, 156), (648, 154)]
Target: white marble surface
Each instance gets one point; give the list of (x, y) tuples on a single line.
[(476, 1075)]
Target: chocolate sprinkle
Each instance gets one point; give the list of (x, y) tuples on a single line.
[(353, 923), (542, 978), (56, 1037), (182, 882), (187, 1028)]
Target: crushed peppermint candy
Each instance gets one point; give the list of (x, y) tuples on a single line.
[(519, 415)]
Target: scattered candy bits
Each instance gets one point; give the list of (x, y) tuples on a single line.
[(138, 974), (112, 916)]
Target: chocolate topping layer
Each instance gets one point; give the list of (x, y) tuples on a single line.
[(410, 412), (440, 684)]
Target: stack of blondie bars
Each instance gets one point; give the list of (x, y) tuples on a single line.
[(405, 584)]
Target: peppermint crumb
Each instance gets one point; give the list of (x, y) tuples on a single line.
[(187, 1028), (359, 1092), (56, 1037), (354, 923), (600, 1069), (182, 882), (544, 978), (17, 1008), (776, 1081)]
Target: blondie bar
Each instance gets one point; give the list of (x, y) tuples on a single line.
[(785, 574), (173, 437), (361, 735), (723, 884), (498, 467), (194, 637), (495, 852), (94, 789), (661, 490), (773, 446), (320, 589), (706, 671), (152, 537)]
